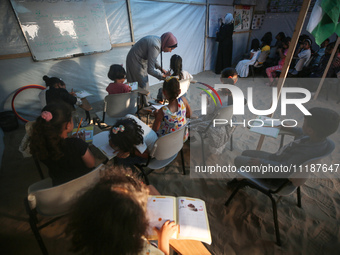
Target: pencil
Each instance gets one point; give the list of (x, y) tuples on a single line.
[(79, 125)]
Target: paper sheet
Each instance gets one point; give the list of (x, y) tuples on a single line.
[(101, 141), (83, 93)]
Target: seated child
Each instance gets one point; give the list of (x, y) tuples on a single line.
[(132, 140), (111, 218), (67, 158), (118, 75), (175, 70), (283, 53), (174, 115), (304, 53), (242, 67), (310, 142), (56, 92)]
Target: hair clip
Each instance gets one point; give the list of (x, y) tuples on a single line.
[(115, 130), (46, 115), (168, 78)]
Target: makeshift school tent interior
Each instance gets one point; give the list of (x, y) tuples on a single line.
[(43, 39), (26, 56)]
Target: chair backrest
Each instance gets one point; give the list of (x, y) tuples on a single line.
[(184, 86), (118, 105), (263, 56), (168, 145), (301, 175), (224, 113), (56, 201), (254, 58)]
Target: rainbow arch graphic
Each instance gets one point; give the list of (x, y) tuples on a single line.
[(213, 90)]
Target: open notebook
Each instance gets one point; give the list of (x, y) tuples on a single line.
[(189, 213)]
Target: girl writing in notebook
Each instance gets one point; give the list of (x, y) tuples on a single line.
[(56, 92), (118, 75), (66, 157), (132, 140), (174, 115), (111, 218)]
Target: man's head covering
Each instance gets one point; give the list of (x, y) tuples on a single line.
[(228, 18), (168, 40)]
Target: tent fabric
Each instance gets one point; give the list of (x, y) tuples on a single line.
[(186, 21)]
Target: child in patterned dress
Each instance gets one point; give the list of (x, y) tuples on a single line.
[(172, 116)]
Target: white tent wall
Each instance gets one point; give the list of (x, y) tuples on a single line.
[(186, 21)]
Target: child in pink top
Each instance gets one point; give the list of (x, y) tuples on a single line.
[(118, 75), (283, 52)]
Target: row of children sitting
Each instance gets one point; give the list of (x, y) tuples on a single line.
[(69, 157)]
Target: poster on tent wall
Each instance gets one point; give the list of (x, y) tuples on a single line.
[(242, 17), (258, 19), (217, 12)]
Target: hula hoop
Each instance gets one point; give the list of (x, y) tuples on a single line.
[(32, 86)]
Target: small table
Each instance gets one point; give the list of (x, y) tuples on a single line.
[(188, 247)]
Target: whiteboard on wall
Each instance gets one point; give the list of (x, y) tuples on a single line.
[(63, 28), (216, 12)]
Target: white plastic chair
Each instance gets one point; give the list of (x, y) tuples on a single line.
[(49, 201), (117, 106), (184, 86), (165, 151), (282, 187)]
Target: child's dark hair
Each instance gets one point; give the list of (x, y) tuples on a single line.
[(172, 88), (52, 81), (116, 72), (45, 140), (323, 121), (267, 38), (286, 40), (281, 35), (255, 44), (226, 75), (110, 218), (127, 139), (176, 66)]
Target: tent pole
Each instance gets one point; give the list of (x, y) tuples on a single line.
[(327, 68), (289, 57), (128, 5), (206, 32)]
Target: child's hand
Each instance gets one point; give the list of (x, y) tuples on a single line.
[(81, 135), (164, 234), (73, 93)]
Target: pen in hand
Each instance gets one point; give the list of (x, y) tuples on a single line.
[(79, 125)]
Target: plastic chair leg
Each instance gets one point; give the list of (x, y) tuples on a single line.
[(276, 223), (144, 174), (239, 186), (33, 223), (298, 193), (183, 166), (37, 164), (202, 144)]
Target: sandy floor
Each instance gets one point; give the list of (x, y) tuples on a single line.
[(244, 227)]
